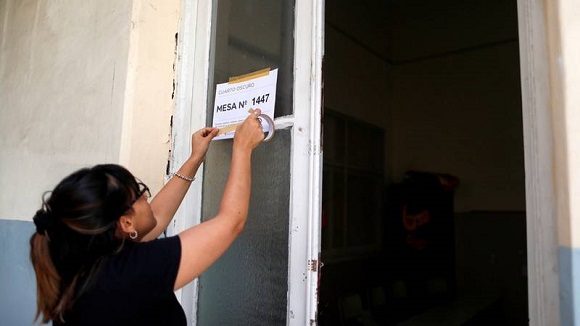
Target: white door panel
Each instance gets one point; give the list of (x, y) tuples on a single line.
[(269, 276)]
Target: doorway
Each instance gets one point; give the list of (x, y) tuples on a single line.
[(423, 209)]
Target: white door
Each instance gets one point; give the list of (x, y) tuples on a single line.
[(269, 276)]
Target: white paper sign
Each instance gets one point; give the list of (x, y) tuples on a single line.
[(234, 99)]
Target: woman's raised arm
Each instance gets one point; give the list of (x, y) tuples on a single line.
[(203, 244), (165, 203)]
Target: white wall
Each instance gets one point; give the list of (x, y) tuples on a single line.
[(149, 95), (355, 81), (445, 88), (82, 83), (63, 68), (461, 114), (458, 114)]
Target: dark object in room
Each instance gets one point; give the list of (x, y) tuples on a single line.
[(420, 242)]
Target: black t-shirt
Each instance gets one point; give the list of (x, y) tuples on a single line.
[(133, 287)]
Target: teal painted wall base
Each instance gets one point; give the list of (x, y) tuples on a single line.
[(570, 286), (17, 281)]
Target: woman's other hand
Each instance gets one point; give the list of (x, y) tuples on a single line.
[(200, 142), (249, 134)]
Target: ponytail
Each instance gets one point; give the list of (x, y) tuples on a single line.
[(75, 232), (47, 278)]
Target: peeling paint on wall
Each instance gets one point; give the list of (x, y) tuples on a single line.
[(174, 65), (152, 56)]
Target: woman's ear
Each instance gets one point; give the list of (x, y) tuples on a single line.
[(126, 224)]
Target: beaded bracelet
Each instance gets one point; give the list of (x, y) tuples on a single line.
[(183, 177)]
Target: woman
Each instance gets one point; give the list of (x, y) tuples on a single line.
[(95, 251)]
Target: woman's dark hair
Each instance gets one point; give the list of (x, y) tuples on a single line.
[(75, 230)]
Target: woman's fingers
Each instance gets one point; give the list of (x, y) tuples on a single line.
[(249, 134), (200, 141), (205, 132), (256, 112)]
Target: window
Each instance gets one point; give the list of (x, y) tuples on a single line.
[(353, 186), (251, 35)]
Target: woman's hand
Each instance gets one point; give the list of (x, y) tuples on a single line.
[(249, 134), (200, 142)]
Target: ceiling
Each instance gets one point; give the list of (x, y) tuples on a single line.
[(400, 31)]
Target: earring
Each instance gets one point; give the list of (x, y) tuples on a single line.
[(133, 235)]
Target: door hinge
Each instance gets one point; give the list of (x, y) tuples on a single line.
[(314, 265)]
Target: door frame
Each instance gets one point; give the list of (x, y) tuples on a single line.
[(194, 55), (192, 79), (541, 213)]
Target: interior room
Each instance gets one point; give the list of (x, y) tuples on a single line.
[(423, 213)]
